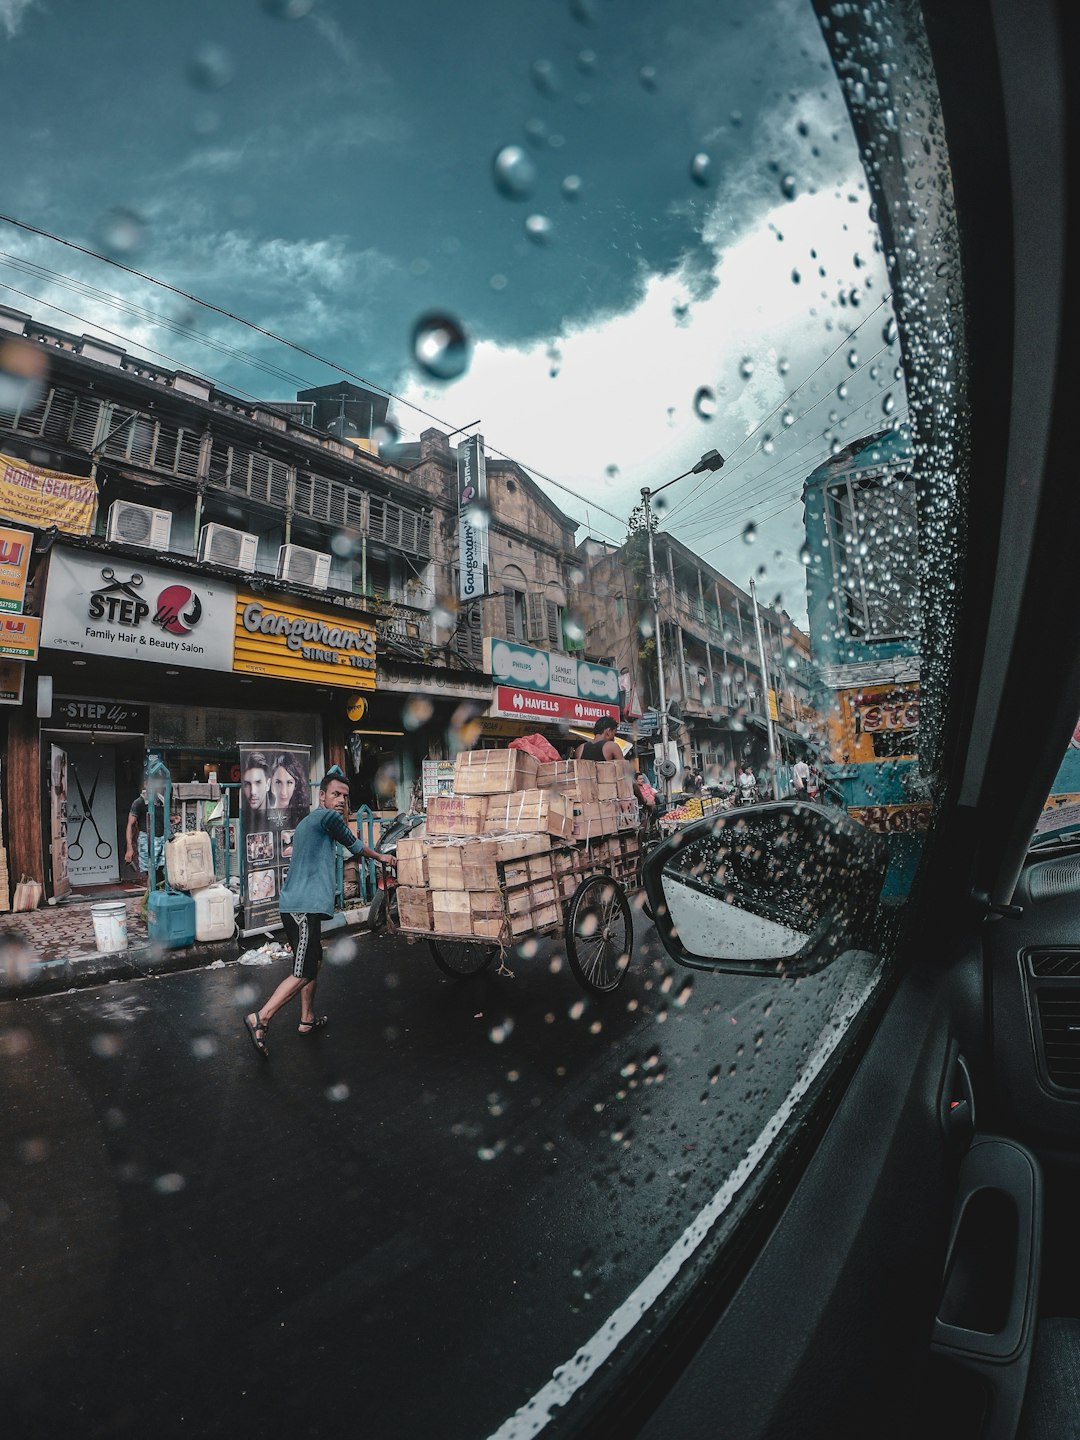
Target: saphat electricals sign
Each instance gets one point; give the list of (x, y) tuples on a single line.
[(274, 636), (103, 605), (549, 673)]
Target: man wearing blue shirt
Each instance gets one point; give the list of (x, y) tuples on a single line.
[(307, 899)]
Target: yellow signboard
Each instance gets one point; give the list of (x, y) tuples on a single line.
[(275, 636), (774, 713), (15, 548), (46, 498), (19, 636)]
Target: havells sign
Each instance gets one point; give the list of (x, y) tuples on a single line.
[(472, 519)]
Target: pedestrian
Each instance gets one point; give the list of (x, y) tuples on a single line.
[(306, 900), (748, 784), (139, 821), (604, 746), (800, 776)]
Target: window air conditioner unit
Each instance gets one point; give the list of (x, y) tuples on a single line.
[(139, 525), (235, 549), (303, 567)]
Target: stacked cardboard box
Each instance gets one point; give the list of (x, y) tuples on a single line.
[(414, 908), (494, 772), (574, 779), (533, 812)]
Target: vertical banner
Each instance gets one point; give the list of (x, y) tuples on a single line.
[(472, 519), (275, 795), (92, 821)]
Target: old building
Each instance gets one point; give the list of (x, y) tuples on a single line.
[(712, 673)]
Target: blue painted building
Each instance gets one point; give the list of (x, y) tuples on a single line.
[(863, 602)]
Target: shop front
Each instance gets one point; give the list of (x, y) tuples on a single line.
[(142, 658)]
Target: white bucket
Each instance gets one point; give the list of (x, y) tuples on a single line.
[(110, 925)]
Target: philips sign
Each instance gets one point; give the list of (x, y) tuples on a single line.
[(472, 519)]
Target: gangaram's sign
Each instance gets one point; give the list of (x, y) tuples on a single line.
[(294, 642), (46, 498)]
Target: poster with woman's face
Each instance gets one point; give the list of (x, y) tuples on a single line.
[(290, 786), (275, 798)]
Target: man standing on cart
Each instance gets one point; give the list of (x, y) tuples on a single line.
[(307, 899), (604, 746)]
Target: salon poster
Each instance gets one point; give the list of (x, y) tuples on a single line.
[(275, 795)]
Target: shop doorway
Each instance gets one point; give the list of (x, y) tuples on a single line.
[(93, 780)]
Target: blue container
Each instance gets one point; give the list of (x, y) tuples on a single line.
[(170, 919)]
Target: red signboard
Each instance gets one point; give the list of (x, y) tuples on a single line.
[(515, 704)]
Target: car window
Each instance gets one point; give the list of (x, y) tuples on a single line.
[(273, 277)]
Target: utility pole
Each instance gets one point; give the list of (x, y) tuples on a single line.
[(711, 460), (665, 780), (774, 763)]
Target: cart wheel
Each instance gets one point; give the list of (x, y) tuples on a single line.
[(461, 957), (599, 934)]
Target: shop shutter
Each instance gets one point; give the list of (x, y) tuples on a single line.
[(536, 623)]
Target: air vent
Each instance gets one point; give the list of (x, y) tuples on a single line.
[(304, 567), (234, 549), (1059, 1021), (139, 525), (1063, 964), (1048, 882)]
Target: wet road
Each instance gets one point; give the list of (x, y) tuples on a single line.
[(397, 1228)]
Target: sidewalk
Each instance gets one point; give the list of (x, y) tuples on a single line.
[(54, 948)]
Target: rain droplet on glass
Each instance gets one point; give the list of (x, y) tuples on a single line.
[(544, 77), (121, 232), (788, 188), (647, 76), (514, 172), (571, 187), (746, 367), (888, 405), (210, 68), (749, 533), (288, 9), (440, 346), (701, 168), (704, 403), (23, 368), (539, 229)]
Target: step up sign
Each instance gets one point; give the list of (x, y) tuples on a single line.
[(517, 704)]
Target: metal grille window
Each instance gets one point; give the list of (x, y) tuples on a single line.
[(873, 543)]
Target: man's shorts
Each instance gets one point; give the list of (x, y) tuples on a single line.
[(304, 934)]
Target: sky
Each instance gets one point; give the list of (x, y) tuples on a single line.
[(326, 170)]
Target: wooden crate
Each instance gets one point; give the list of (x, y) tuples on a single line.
[(481, 858), (456, 815), (585, 821), (575, 779), (531, 811), (494, 772), (414, 908), (412, 863)]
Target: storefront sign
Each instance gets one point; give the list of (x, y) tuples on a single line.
[(12, 679), (15, 546), (511, 664), (102, 605), (472, 518), (100, 717), (903, 715), (294, 642), (516, 704), (46, 498), (19, 636)]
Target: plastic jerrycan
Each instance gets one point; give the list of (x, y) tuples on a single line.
[(214, 913), (189, 860), (170, 916)]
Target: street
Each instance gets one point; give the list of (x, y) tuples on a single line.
[(399, 1227)]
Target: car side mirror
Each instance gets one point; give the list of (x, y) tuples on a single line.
[(781, 888)]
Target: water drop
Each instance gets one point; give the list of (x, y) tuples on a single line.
[(788, 187), (767, 445), (539, 229), (611, 471), (586, 61), (787, 419), (169, 1184), (746, 368), (888, 405), (783, 366), (805, 557), (210, 68), (338, 1092), (514, 172), (544, 77), (704, 403), (700, 169), (440, 346), (749, 534), (647, 76), (386, 434), (795, 277), (498, 282), (121, 232), (23, 368), (853, 359), (288, 9), (571, 187), (888, 333)]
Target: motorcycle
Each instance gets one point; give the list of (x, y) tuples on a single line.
[(384, 903)]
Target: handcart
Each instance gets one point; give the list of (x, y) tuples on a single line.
[(591, 912)]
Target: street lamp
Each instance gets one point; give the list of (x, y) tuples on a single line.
[(711, 460)]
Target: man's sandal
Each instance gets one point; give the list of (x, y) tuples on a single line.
[(258, 1031), (307, 1026)]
